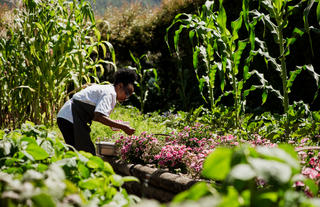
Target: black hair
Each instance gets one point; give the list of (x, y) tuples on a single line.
[(125, 76)]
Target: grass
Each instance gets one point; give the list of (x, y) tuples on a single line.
[(130, 114)]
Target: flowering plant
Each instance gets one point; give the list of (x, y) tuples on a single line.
[(171, 156), (137, 149)]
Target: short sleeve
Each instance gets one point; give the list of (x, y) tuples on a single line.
[(105, 105)]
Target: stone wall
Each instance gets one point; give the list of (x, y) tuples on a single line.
[(154, 183)]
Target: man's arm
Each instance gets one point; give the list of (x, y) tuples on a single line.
[(111, 123)]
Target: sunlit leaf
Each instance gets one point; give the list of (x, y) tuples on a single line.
[(95, 163), (242, 172), (217, 164), (313, 187), (43, 199), (36, 152), (270, 170), (197, 191), (91, 184)]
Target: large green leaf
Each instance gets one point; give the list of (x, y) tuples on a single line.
[(91, 184), (36, 152), (217, 164), (43, 199), (280, 154), (95, 163), (83, 171), (313, 187), (271, 171), (242, 172)]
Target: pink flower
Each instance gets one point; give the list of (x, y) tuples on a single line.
[(310, 172), (298, 183), (304, 140)]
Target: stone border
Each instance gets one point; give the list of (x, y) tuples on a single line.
[(154, 183)]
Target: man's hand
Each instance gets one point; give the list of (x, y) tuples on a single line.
[(128, 130), (112, 123)]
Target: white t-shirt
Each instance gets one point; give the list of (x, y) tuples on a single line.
[(103, 97)]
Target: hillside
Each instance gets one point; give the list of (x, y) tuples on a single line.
[(101, 5)]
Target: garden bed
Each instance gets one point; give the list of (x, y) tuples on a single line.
[(154, 183)]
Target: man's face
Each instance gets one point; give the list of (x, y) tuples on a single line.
[(124, 92)]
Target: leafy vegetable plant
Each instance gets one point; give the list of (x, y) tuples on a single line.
[(38, 169)]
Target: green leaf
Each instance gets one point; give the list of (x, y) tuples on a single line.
[(236, 25), (95, 163), (306, 22), (117, 180), (282, 153), (313, 187), (108, 168), (29, 140), (316, 116), (293, 75), (271, 171), (271, 196), (217, 164), (42, 167), (130, 179), (43, 199), (264, 96), (91, 184), (318, 12), (242, 172), (290, 150), (231, 198), (196, 192), (36, 152), (222, 18), (2, 133), (83, 170)]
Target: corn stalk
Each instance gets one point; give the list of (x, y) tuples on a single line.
[(50, 46)]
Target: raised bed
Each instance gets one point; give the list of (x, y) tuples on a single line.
[(154, 183)]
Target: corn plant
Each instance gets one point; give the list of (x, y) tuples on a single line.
[(221, 51), (144, 81), (275, 17), (51, 45)]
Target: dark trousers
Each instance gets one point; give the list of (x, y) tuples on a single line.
[(77, 133), (66, 128)]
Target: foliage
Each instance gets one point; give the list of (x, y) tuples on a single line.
[(144, 82), (275, 17), (38, 169), (220, 51), (183, 150), (140, 29), (50, 46), (239, 170)]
